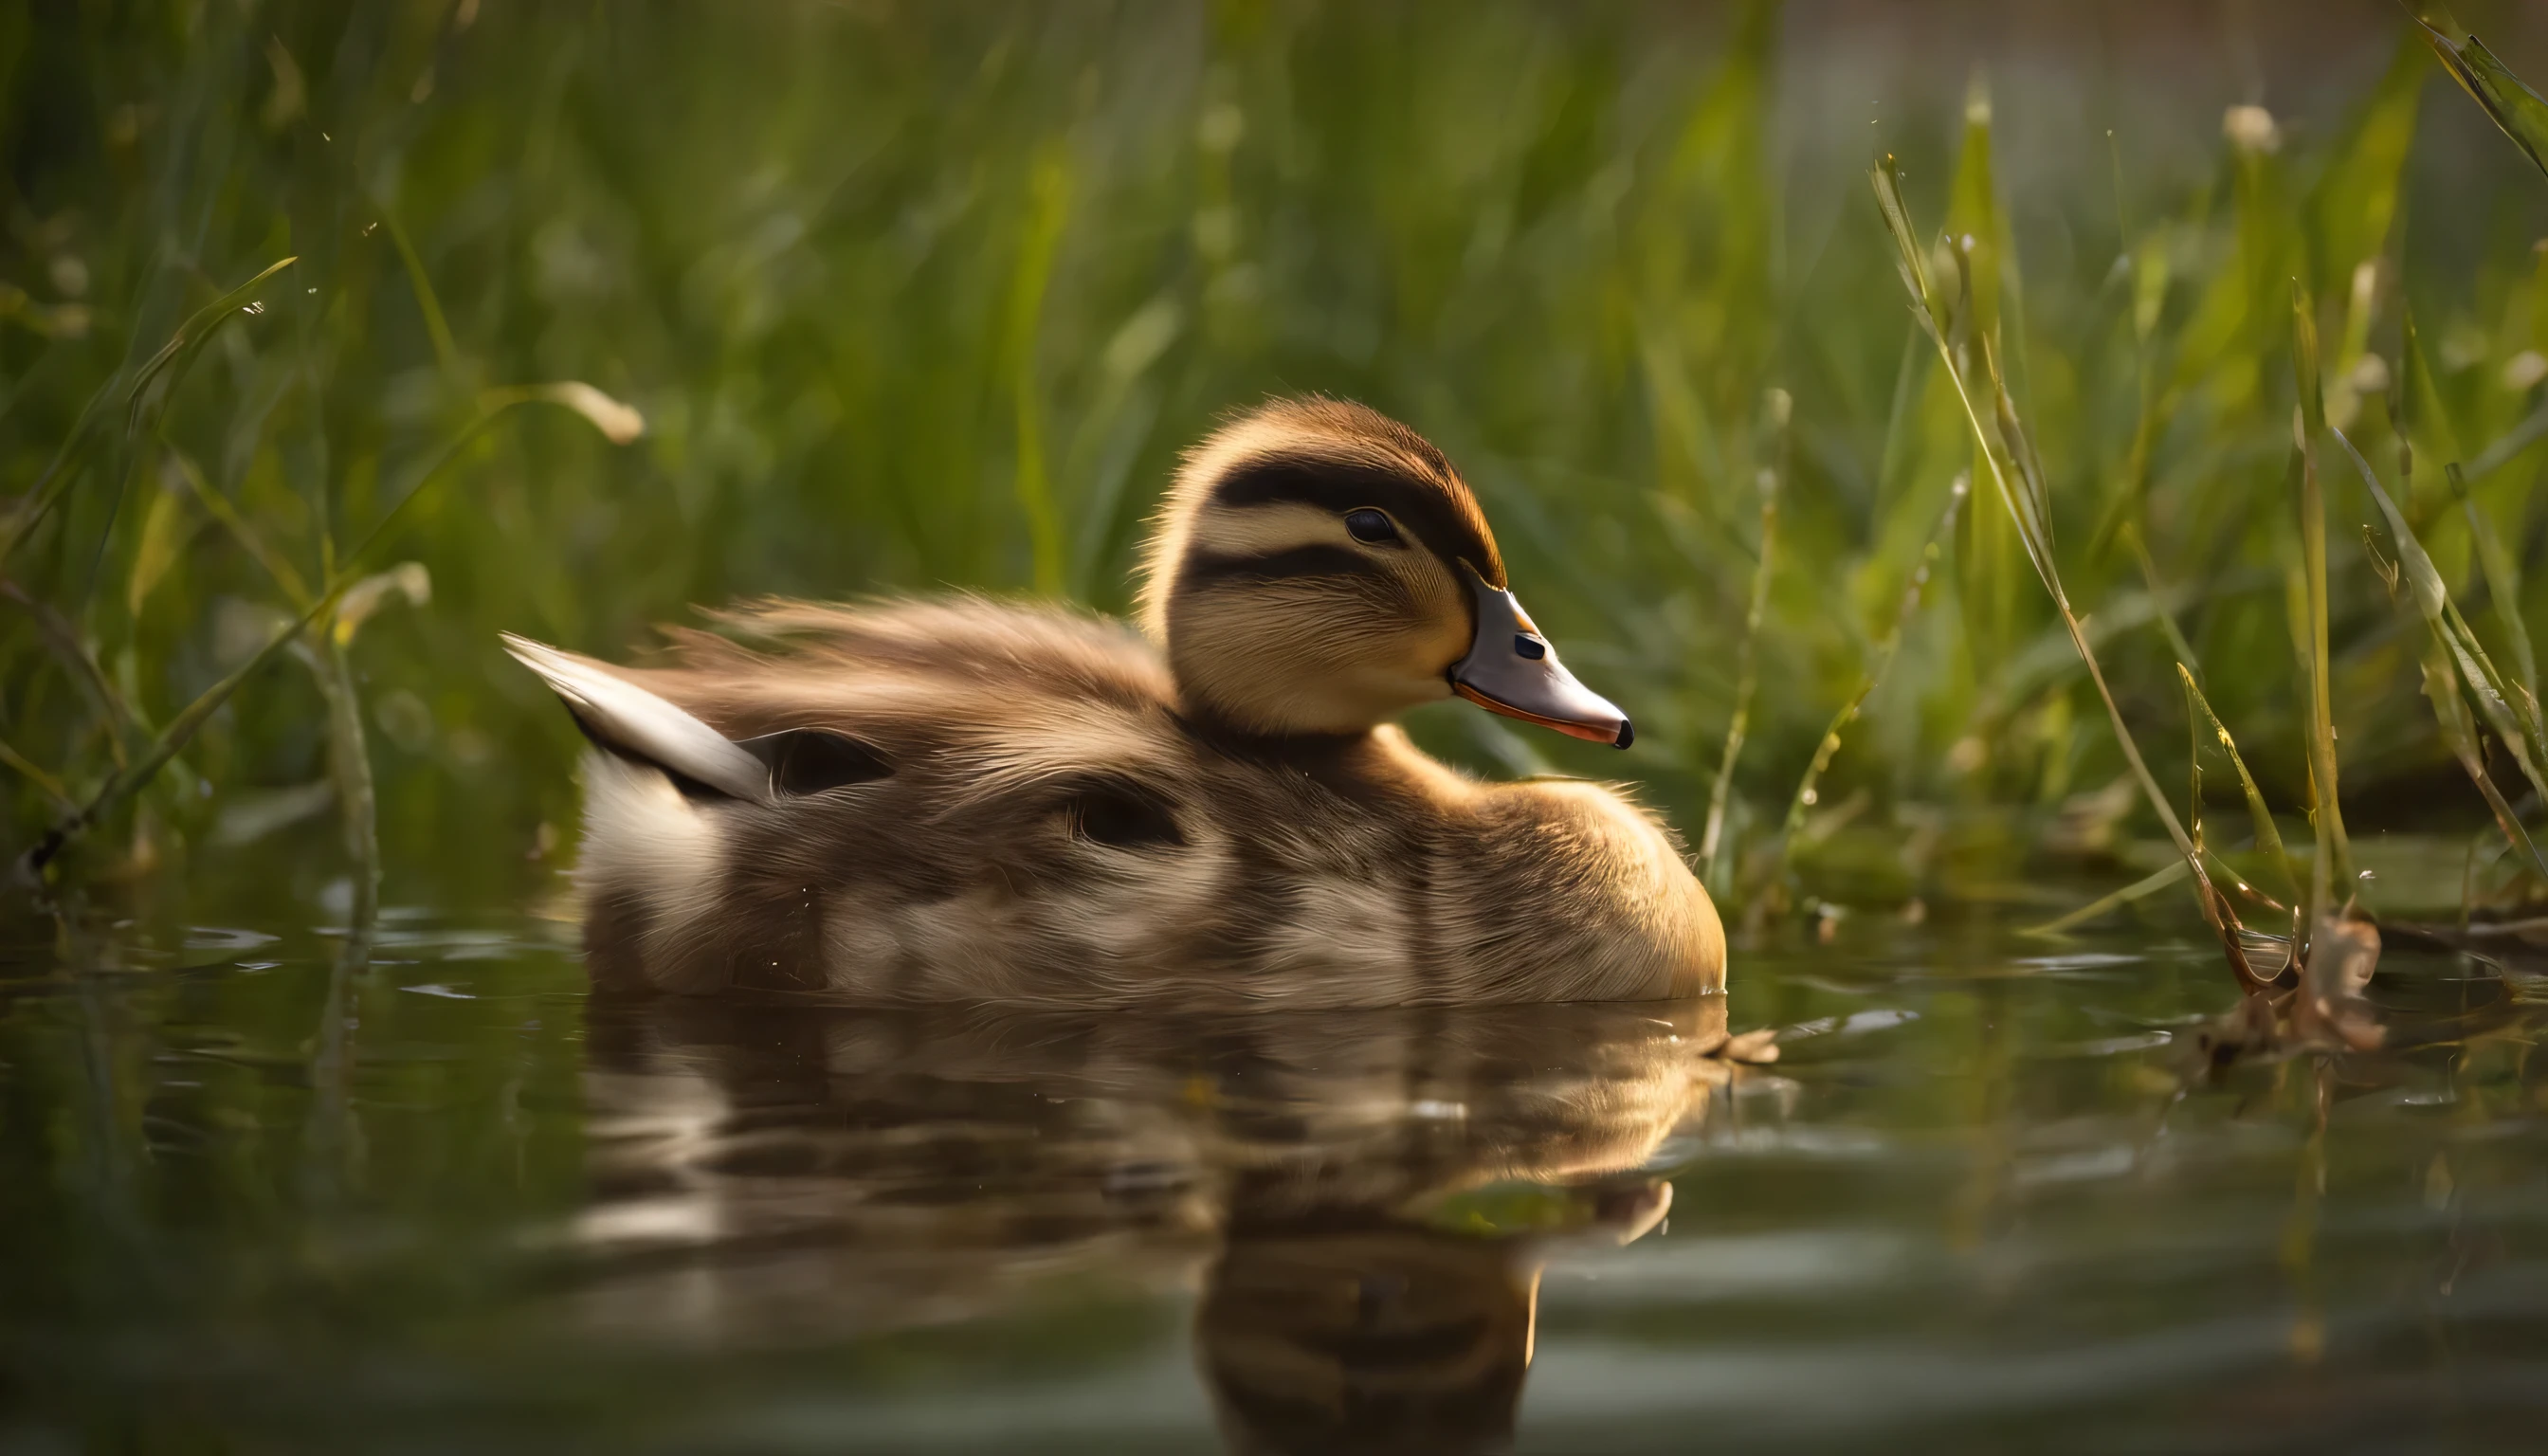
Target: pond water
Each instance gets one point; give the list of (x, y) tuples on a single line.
[(254, 1198)]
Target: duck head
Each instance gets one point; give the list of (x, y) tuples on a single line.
[(1320, 568)]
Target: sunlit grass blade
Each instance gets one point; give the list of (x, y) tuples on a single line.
[(164, 369), (581, 398), (2513, 722), (349, 767), (2104, 905), (2017, 491), (181, 350), (2517, 110), (1808, 787), (618, 421), (248, 539), (2269, 838), (2332, 861), (2459, 731), (2236, 941), (1775, 407), (182, 729), (35, 773), (2503, 579), (170, 741), (2176, 640), (63, 639), (2511, 442), (429, 304), (1048, 208)]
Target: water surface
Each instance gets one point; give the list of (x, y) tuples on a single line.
[(257, 1199)]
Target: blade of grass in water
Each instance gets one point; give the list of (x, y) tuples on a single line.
[(180, 731), (1777, 405), (2454, 658), (2332, 862), (51, 786), (2459, 731), (2516, 722), (2251, 978), (64, 640), (2503, 589), (2139, 889), (2022, 494), (2269, 838)]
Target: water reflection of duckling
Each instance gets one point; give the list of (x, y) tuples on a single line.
[(973, 800), (1383, 1338), (762, 1172)]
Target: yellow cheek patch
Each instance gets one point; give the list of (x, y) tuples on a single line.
[(1262, 530)]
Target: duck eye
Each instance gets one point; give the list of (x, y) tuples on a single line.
[(1122, 820), (1370, 526)]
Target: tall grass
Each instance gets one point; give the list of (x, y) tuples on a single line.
[(932, 295)]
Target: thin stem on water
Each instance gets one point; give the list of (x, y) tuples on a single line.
[(350, 766)]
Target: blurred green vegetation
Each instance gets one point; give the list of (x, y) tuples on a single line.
[(912, 295)]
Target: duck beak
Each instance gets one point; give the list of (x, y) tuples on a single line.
[(1511, 669)]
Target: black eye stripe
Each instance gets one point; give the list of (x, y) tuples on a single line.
[(1273, 565), (1424, 512)]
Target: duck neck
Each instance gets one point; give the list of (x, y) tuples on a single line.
[(1234, 736)]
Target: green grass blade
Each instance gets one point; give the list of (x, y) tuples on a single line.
[(2167, 624), (180, 352), (171, 740), (1048, 208), (2269, 838), (2510, 444), (2510, 712), (2142, 889), (2014, 490), (2459, 731), (248, 538), (1807, 788), (2503, 579), (2448, 628), (172, 361), (50, 786), (62, 637), (2335, 854), (446, 353), (2517, 110), (2019, 485), (579, 397), (1778, 408)]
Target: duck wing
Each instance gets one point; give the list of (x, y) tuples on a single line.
[(630, 721)]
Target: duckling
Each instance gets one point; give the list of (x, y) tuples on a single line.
[(965, 799)]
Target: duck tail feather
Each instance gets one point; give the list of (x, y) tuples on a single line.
[(626, 720)]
